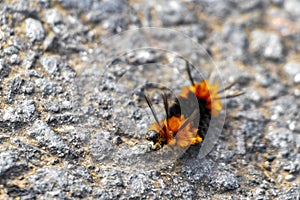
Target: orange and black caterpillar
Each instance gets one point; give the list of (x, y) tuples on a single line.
[(174, 130), (187, 121)]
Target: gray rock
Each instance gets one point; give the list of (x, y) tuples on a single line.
[(66, 118), (30, 59), (58, 183), (68, 73), (240, 143), (51, 107), (20, 43), (255, 97), (10, 115), (95, 16), (280, 137), (7, 161), (290, 177), (15, 84), (34, 29), (13, 88), (84, 173), (292, 193), (101, 148), (253, 116), (28, 109), (293, 167), (4, 70), (57, 106), (104, 9), (297, 79), (115, 24), (50, 63), (53, 17), (113, 179), (154, 174), (46, 137), (284, 113), (217, 8), (276, 90), (198, 31), (138, 185), (198, 170), (236, 41), (47, 86), (250, 5), (11, 50), (264, 78), (260, 191), (15, 59), (274, 48), (23, 6), (27, 151), (291, 6), (80, 5), (267, 44), (219, 178), (174, 13), (9, 165), (234, 34), (143, 57), (110, 7), (294, 126), (34, 73), (278, 2), (104, 194), (51, 43), (25, 113), (292, 69)]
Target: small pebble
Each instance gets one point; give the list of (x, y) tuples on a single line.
[(34, 29), (290, 177), (50, 64)]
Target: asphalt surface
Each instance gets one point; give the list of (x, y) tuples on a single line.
[(73, 118)]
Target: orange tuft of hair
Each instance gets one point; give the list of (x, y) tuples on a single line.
[(203, 90), (173, 135)]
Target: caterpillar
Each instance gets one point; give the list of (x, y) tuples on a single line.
[(187, 120)]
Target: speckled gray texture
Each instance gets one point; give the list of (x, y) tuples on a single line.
[(73, 117), (34, 29)]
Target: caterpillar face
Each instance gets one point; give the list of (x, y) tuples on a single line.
[(156, 138), (153, 136)]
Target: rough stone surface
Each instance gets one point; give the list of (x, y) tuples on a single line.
[(34, 29), (4, 70), (48, 138), (292, 70), (73, 116), (53, 17), (291, 7), (58, 183), (50, 64), (267, 44), (173, 13)]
